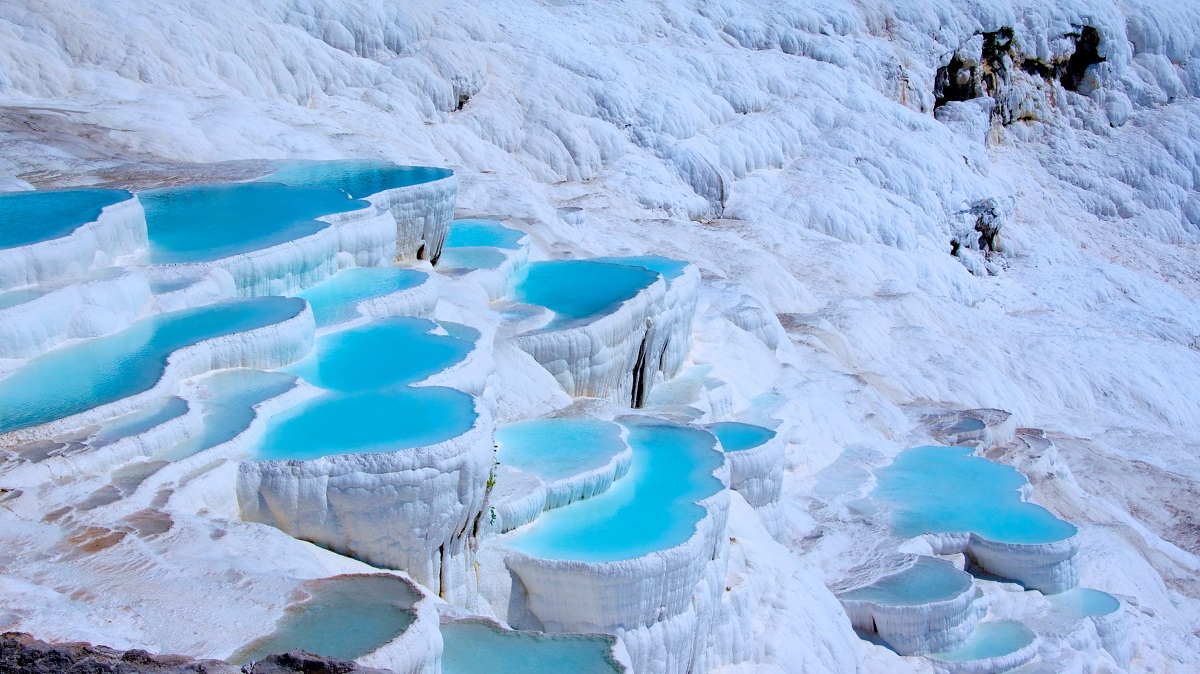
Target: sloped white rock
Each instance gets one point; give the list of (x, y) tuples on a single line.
[(516, 499), (118, 233), (420, 300), (211, 286), (757, 473)]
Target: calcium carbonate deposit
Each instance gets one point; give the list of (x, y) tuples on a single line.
[(725, 336)]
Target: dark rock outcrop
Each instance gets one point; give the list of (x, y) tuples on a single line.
[(22, 654)]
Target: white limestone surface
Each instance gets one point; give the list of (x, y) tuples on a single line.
[(118, 234), (516, 499), (987, 663), (420, 300), (757, 472)]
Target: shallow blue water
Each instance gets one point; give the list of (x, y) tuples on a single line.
[(990, 640), (385, 352), (88, 374), (1083, 602), (336, 300), (947, 490), (475, 648), (368, 422), (928, 580), (736, 436), (346, 617), (670, 268), (357, 178), (200, 223), (652, 508), (170, 285), (554, 449), (140, 421), (33, 216), (22, 295), (469, 233), (229, 407), (581, 289), (471, 258)]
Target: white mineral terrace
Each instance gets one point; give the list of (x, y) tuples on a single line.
[(605, 338)]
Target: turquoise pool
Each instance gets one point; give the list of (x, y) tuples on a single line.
[(990, 640), (670, 268), (581, 289), (368, 422), (654, 507), (41, 215), (948, 490), (471, 233), (556, 449), (1083, 602), (385, 352), (471, 647), (202, 223), (229, 407), (87, 374), (736, 436), (926, 581), (345, 617), (336, 300), (357, 178), (139, 421), (471, 258)]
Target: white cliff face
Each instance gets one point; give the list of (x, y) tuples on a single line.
[(423, 213), (1048, 567)]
